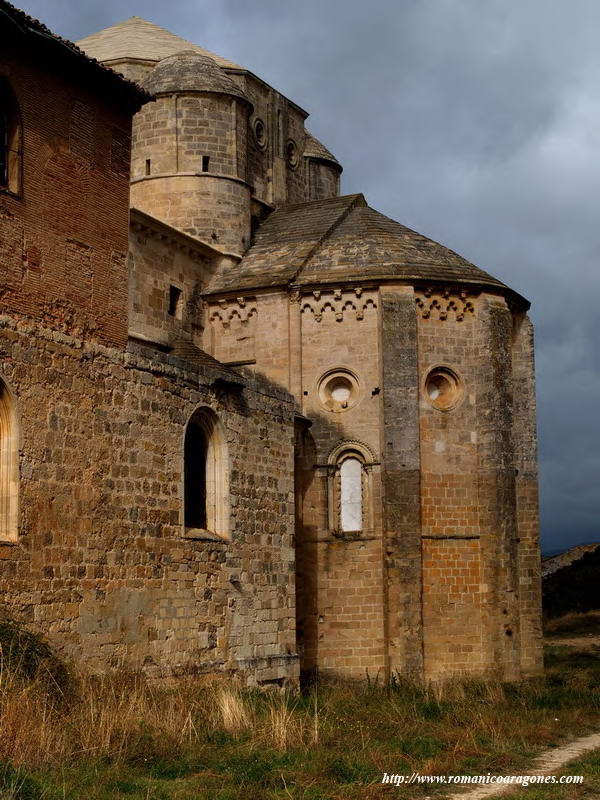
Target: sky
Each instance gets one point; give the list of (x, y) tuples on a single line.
[(475, 122)]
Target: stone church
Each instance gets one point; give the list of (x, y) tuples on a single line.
[(247, 424)]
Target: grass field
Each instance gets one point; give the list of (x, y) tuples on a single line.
[(588, 767), (121, 738), (586, 624)]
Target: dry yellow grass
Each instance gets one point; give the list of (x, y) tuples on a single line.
[(233, 710), (221, 740)]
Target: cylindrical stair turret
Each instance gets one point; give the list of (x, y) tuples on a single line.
[(189, 159)]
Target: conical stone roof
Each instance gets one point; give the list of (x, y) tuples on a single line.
[(137, 38), (342, 239), (313, 148), (189, 71)]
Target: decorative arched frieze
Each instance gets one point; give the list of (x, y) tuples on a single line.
[(244, 309), (232, 325), (341, 303), (444, 303)]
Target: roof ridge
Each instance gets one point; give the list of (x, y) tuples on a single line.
[(335, 224), (422, 237), (324, 201)]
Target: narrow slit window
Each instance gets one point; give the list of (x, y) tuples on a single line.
[(196, 456), (279, 134), (148, 166), (9, 467), (205, 163), (175, 302), (10, 140)]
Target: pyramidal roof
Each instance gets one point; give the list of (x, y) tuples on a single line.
[(342, 239), (138, 38)]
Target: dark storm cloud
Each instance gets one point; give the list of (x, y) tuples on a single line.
[(476, 122)]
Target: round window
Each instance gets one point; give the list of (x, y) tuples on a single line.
[(260, 133), (291, 152), (338, 390), (443, 388)]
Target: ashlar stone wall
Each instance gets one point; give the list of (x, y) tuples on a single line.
[(102, 564), (442, 579), (168, 271), (341, 578)]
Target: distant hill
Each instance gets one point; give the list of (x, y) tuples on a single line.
[(555, 561), (558, 551), (571, 581)]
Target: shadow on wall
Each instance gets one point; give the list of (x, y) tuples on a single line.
[(313, 483)]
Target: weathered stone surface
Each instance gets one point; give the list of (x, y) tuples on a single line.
[(102, 564), (371, 352)]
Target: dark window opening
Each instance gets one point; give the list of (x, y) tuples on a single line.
[(206, 477), (175, 302), (148, 166), (10, 140), (196, 454), (254, 226), (3, 149), (205, 163)]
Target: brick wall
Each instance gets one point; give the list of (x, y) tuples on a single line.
[(61, 261), (453, 634)]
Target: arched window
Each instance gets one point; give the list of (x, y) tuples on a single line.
[(350, 488), (9, 467), (206, 475), (10, 140), (351, 495)]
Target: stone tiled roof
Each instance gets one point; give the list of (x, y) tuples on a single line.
[(341, 239), (283, 244), (112, 84), (187, 351), (193, 72), (366, 244), (313, 148), (140, 39)]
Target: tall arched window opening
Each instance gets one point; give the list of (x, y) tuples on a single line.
[(206, 475), (351, 495), (350, 487), (9, 467), (10, 140)]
